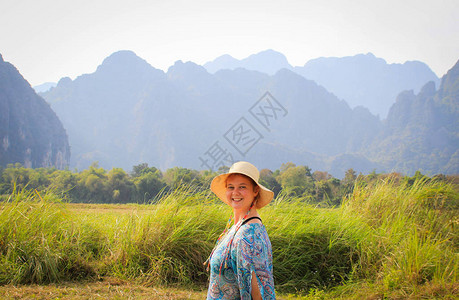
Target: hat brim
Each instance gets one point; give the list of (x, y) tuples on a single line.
[(218, 186)]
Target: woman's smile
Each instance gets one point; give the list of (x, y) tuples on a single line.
[(240, 192)]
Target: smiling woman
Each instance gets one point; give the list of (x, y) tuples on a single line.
[(241, 262), (241, 192)]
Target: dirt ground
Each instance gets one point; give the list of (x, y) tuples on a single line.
[(107, 289)]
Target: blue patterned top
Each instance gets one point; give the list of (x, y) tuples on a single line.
[(250, 251)]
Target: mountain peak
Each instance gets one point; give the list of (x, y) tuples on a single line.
[(123, 59), (188, 69), (225, 57), (267, 61), (185, 66), (225, 61), (269, 53), (64, 82), (449, 87), (121, 55)]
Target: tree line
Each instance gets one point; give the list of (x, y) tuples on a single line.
[(144, 183)]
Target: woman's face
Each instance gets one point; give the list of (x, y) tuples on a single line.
[(240, 192)]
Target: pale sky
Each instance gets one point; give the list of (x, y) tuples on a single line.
[(50, 39)]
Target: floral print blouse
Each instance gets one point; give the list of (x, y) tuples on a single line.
[(249, 251)]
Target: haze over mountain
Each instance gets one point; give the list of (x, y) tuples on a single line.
[(361, 80), (30, 132), (421, 131), (128, 112), (366, 80), (44, 87)]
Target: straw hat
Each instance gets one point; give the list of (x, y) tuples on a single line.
[(218, 185)]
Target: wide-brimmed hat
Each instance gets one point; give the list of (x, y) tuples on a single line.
[(218, 184)]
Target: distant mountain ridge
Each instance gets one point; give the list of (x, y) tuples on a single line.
[(422, 127), (365, 80), (268, 61), (30, 132), (361, 80), (128, 112)]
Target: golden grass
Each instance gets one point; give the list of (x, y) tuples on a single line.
[(110, 208), (110, 288)]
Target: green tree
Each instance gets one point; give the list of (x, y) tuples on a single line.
[(349, 177), (348, 182), (417, 176), (321, 176), (91, 185), (64, 182), (143, 169), (147, 186), (176, 177), (322, 190), (119, 186), (206, 177), (286, 166), (39, 178), (14, 175), (297, 181), (268, 180)]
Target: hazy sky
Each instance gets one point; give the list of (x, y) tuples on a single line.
[(50, 39)]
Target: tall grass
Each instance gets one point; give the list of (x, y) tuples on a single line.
[(41, 242), (311, 247), (170, 244), (413, 235), (391, 236)]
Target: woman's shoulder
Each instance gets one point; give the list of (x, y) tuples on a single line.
[(252, 230), (252, 236), (253, 220)]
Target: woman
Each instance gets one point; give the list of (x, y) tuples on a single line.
[(241, 262)]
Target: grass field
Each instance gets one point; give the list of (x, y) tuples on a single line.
[(388, 240)]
